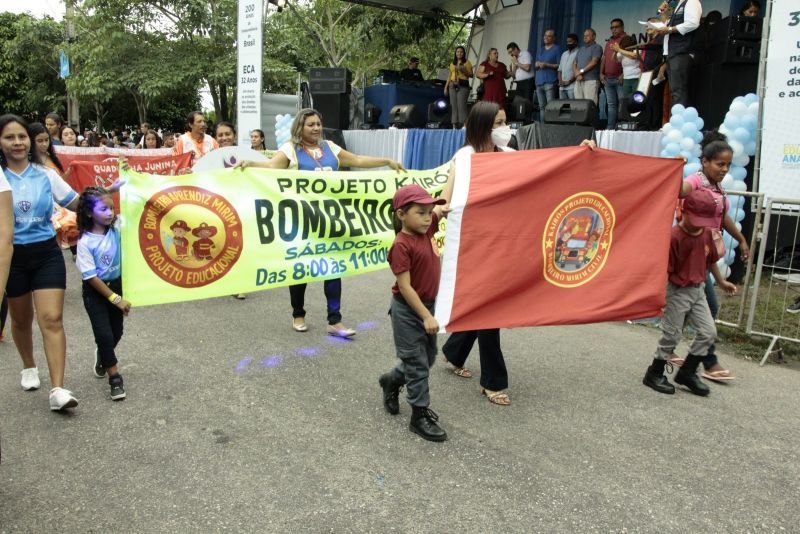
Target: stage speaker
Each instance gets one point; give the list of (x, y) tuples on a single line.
[(571, 112), (332, 134), (439, 115), (734, 51), (520, 111), (335, 110), (737, 28), (714, 86), (406, 116), (329, 80)]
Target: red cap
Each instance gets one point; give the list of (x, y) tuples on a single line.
[(700, 208), (414, 193)]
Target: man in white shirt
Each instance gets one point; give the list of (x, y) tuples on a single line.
[(679, 46), (522, 70)]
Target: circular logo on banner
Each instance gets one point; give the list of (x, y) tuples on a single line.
[(577, 239), (189, 236)]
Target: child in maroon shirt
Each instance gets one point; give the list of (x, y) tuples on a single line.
[(691, 253), (414, 260)]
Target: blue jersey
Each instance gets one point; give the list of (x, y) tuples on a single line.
[(99, 255), (326, 159), (34, 192)]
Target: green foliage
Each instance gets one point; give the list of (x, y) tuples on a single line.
[(29, 66)]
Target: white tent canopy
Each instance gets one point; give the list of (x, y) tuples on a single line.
[(451, 9)]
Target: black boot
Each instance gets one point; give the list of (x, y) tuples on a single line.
[(687, 376), (391, 391), (654, 377), (423, 423)]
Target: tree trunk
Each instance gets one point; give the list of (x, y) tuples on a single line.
[(223, 103), (214, 98), (98, 110)]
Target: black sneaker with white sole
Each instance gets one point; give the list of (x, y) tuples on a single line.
[(794, 308), (99, 370), (117, 391)]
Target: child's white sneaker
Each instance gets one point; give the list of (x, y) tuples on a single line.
[(30, 379), (61, 399)]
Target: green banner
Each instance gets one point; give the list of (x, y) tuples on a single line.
[(225, 232)]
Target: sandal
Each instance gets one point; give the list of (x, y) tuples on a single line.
[(496, 397), (463, 372), (720, 375), (675, 360), (299, 327)]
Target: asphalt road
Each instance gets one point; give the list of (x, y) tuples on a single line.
[(234, 422)]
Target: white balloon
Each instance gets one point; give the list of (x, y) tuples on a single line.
[(739, 108), (687, 143), (727, 181), (738, 148), (738, 185), (741, 160), (675, 136), (724, 269), (753, 108)]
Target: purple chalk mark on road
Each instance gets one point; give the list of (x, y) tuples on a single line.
[(367, 325), (308, 352), (272, 361), (244, 362), (337, 339)]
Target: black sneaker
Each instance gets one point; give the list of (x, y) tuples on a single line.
[(423, 423), (391, 392), (794, 308), (99, 370), (117, 391)]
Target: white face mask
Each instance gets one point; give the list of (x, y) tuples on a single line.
[(501, 136)]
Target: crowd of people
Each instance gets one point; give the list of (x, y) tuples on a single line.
[(583, 69)]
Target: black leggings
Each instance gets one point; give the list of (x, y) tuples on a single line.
[(106, 321)]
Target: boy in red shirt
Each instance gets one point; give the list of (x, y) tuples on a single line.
[(414, 260), (691, 253)]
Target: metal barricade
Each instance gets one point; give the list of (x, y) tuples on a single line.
[(770, 313), (756, 207)]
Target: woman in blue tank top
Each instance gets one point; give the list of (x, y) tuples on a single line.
[(307, 151)]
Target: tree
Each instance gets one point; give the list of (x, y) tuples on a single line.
[(29, 66)]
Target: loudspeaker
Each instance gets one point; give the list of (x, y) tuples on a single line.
[(521, 110), (329, 80), (734, 51), (714, 86), (439, 115), (737, 28), (335, 110), (406, 116), (571, 112), (332, 134)]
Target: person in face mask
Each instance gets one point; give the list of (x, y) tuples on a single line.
[(566, 76), (486, 131)]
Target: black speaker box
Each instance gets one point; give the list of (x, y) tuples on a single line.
[(329, 87), (734, 51), (330, 73), (571, 112), (737, 27), (335, 110), (406, 116), (714, 86)]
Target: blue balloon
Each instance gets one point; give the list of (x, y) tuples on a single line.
[(738, 201), (672, 150), (739, 216), (729, 257), (750, 122), (750, 148), (677, 121), (698, 137), (690, 115), (738, 173), (728, 241), (664, 154), (688, 129), (741, 134), (677, 109), (731, 122), (750, 98), (691, 168), (685, 154), (665, 141), (700, 123)]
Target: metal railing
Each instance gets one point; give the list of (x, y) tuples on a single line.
[(771, 313)]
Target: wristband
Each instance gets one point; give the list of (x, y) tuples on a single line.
[(112, 296)]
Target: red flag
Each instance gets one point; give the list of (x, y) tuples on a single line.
[(557, 236)]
